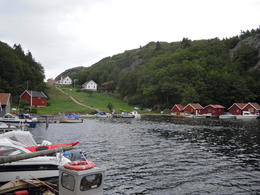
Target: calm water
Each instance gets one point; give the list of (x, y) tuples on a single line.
[(167, 156)]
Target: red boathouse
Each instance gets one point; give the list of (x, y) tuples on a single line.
[(253, 108), (192, 109), (35, 98), (214, 110), (236, 108), (177, 108)]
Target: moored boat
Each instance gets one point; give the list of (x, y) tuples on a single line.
[(246, 115), (42, 167), (71, 119), (13, 119), (74, 177)]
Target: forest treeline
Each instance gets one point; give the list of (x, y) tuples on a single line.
[(161, 74), (19, 71)]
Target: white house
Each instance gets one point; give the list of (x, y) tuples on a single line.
[(65, 80), (90, 85)]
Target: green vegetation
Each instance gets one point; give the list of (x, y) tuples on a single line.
[(19, 71), (161, 74), (156, 76), (99, 100), (60, 103)]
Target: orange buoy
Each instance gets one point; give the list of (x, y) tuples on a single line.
[(80, 165)]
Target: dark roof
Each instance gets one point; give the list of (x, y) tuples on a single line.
[(4, 98), (38, 94)]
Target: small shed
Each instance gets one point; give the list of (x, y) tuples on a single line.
[(35, 98), (177, 108), (90, 85), (253, 108), (214, 110), (192, 109), (236, 108), (5, 103)]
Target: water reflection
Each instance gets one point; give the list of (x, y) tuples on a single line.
[(168, 156)]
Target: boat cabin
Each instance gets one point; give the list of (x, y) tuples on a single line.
[(87, 182)]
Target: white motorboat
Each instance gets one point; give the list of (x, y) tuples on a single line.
[(7, 127), (13, 119), (45, 167), (25, 138), (246, 115)]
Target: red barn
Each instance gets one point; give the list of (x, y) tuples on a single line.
[(214, 110), (177, 108), (35, 98), (236, 108), (192, 108), (253, 108)]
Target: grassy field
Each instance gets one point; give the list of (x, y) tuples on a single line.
[(99, 100), (59, 103)]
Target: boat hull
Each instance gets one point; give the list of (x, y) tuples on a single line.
[(31, 124), (43, 172), (71, 121)]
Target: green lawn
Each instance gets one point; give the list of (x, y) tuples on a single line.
[(99, 100), (59, 103)]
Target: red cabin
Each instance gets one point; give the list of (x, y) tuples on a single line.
[(177, 108), (35, 98), (253, 108), (236, 108), (192, 109), (214, 110)]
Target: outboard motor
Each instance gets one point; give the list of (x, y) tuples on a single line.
[(75, 179)]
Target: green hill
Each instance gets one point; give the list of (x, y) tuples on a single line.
[(161, 74)]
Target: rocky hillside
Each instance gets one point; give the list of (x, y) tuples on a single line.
[(70, 72), (252, 41), (161, 74)]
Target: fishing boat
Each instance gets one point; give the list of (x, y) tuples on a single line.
[(71, 119), (13, 119), (76, 177)]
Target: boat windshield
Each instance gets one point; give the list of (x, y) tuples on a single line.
[(90, 182), (68, 181), (9, 151)]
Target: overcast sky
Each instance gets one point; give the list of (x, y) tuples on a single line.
[(63, 34)]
